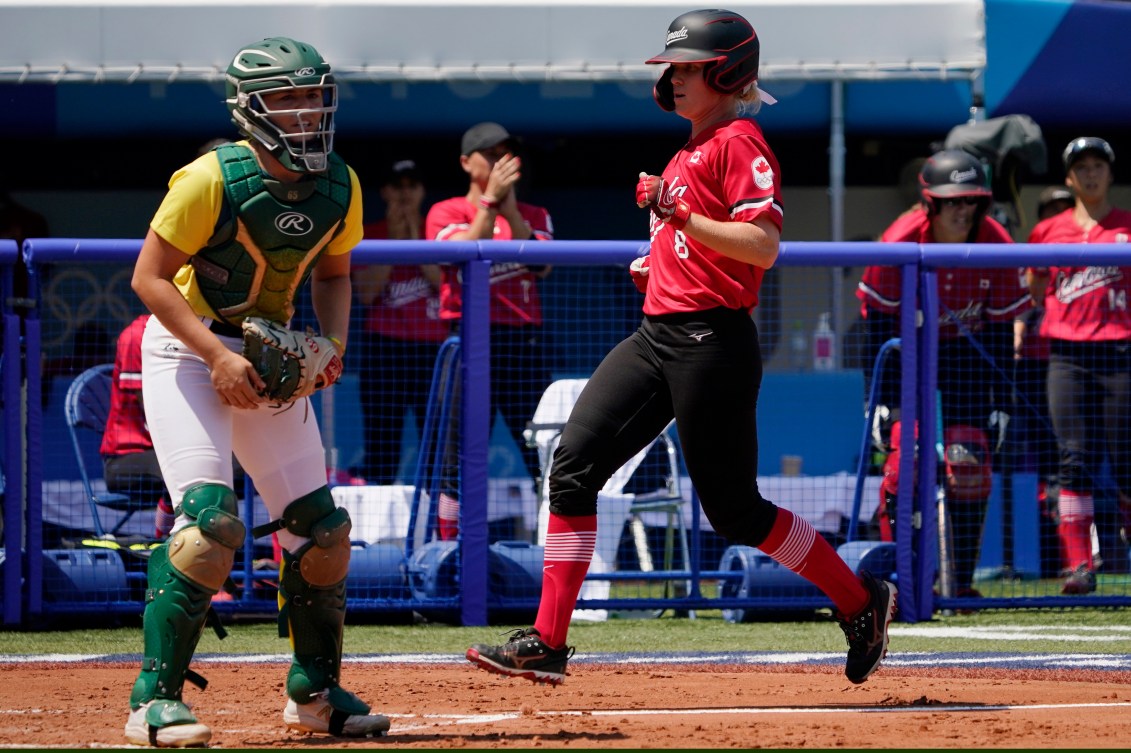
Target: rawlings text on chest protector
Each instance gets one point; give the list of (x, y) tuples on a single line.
[(268, 237)]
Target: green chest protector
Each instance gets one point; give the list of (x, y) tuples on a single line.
[(268, 237)]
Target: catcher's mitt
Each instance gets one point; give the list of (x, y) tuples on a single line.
[(293, 364)]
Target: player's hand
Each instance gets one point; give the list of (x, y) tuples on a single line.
[(236, 381), (504, 174), (639, 270), (653, 192)]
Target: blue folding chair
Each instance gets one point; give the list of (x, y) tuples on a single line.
[(86, 408)]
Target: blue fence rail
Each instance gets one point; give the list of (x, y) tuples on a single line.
[(473, 597)]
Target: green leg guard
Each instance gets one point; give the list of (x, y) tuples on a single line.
[(175, 615), (184, 574), (314, 619)]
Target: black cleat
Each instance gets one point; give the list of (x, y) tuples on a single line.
[(523, 655), (867, 632), (1079, 582)]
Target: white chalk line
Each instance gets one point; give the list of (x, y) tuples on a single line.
[(432, 721)]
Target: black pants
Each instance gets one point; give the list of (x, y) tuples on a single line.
[(703, 369), (135, 474), (1090, 405)]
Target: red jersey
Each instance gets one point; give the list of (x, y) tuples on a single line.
[(514, 289), (726, 173), (409, 307), (968, 295), (126, 431), (1086, 303)]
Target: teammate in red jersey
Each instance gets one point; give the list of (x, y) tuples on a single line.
[(490, 210), (402, 328), (715, 221), (1089, 327), (976, 311), (129, 463)]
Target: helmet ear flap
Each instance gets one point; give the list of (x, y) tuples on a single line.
[(663, 91)]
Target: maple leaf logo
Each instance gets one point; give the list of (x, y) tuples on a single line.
[(763, 173)]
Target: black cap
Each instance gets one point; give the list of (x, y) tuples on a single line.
[(1053, 194), (483, 136), (1077, 148), (402, 169)]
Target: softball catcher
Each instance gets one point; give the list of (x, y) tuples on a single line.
[(240, 230)]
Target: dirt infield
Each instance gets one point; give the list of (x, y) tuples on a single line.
[(607, 706)]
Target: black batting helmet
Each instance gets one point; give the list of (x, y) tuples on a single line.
[(1077, 148), (953, 173), (722, 38)]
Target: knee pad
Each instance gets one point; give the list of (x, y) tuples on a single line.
[(203, 551), (969, 466), (324, 560)]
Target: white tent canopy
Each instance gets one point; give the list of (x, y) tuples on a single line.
[(503, 40)]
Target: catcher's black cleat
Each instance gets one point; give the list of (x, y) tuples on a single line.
[(867, 632), (523, 655)]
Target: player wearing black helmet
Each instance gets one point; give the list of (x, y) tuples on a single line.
[(1088, 323), (715, 218), (723, 41), (976, 310)]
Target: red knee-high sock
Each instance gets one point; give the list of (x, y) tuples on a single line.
[(1077, 511), (796, 545), (569, 549), (447, 517)]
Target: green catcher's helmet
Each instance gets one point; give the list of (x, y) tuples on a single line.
[(277, 64)]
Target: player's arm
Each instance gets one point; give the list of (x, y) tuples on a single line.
[(756, 242), (508, 210), (233, 377), (433, 274), (330, 292), (370, 282), (1037, 279)]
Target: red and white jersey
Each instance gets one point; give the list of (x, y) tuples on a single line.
[(409, 307), (514, 288), (1086, 303), (126, 431), (727, 173), (967, 295)]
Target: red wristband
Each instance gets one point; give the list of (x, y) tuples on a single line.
[(488, 202)]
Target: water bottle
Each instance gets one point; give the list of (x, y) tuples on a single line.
[(824, 344)]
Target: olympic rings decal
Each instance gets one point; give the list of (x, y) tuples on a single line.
[(75, 296)]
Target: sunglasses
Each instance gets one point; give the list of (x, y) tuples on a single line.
[(970, 201)]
